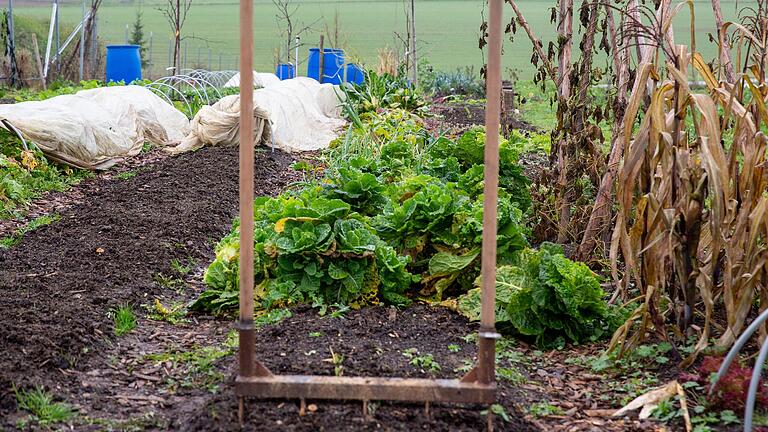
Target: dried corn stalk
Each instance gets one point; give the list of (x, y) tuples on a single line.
[(692, 223)]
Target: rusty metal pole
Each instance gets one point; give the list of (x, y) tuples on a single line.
[(245, 325), (486, 351)]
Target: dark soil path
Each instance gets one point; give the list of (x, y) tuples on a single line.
[(59, 284)]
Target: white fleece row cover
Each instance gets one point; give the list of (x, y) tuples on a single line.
[(260, 80), (94, 129), (97, 128), (293, 115)]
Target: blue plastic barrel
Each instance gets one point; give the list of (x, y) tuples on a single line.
[(333, 65), (285, 71), (123, 63), (355, 74)]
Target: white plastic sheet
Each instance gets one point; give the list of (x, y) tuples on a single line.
[(260, 80), (94, 129), (299, 114)]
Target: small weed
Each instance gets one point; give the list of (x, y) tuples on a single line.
[(643, 357), (15, 238), (197, 364), (339, 312), (41, 406), (511, 375), (337, 360), (146, 147), (497, 410), (454, 348), (172, 315), (465, 368), (425, 362), (273, 316), (669, 410), (169, 282), (124, 319), (125, 175), (544, 409), (147, 421), (233, 340), (315, 334), (182, 269)]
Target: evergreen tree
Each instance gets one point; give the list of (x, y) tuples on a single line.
[(137, 38)]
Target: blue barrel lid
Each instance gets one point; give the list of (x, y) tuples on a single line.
[(123, 46)]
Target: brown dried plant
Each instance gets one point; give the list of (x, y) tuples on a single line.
[(692, 225)]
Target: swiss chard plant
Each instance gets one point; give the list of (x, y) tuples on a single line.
[(308, 249), (390, 221)]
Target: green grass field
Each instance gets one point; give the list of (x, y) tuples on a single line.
[(447, 30)]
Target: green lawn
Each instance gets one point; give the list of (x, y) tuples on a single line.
[(448, 30)]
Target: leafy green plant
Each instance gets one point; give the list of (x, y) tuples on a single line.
[(425, 362), (309, 249), (462, 81), (15, 238), (125, 175), (549, 298), (337, 360), (173, 314), (498, 410), (25, 174), (544, 409), (124, 319), (41, 406), (384, 91), (182, 269)]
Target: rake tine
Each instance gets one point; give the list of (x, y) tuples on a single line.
[(241, 410)]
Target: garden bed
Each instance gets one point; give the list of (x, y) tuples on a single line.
[(114, 247)]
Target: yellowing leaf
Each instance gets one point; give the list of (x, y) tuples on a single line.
[(280, 225), (28, 160)]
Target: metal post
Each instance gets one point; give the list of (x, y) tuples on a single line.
[(245, 326), (219, 61), (198, 58), (414, 64), (296, 59), (151, 36), (82, 46), (170, 55), (51, 30), (210, 53), (126, 34), (486, 350), (58, 36), (186, 51)]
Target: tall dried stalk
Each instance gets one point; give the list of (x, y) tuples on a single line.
[(692, 225)]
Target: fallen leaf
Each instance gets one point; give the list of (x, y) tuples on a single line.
[(649, 400), (599, 412)]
